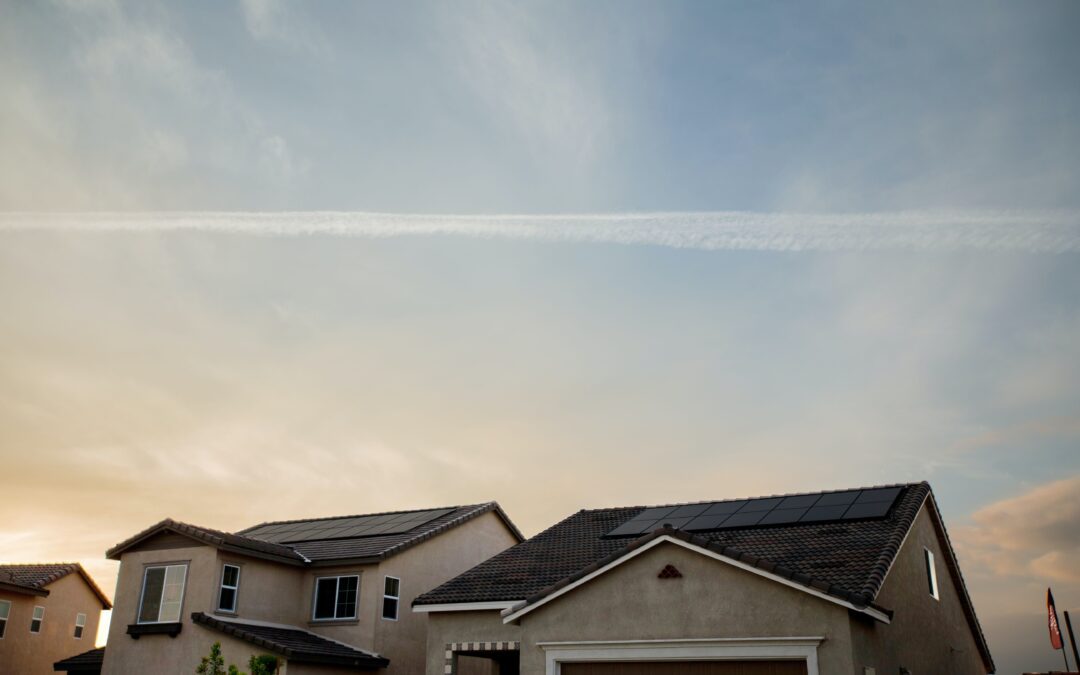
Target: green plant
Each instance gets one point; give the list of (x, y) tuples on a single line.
[(264, 664), (213, 664)]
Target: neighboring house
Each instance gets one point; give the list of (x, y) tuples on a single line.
[(325, 595), (48, 611), (860, 581)]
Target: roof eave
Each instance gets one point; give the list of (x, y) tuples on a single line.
[(23, 589)]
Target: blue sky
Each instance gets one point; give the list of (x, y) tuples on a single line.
[(891, 291)]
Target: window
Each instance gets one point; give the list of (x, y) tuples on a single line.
[(931, 574), (80, 624), (5, 611), (391, 595), (162, 594), (35, 622), (335, 598), (230, 587)]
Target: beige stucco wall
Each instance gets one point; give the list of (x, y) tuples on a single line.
[(711, 600), (26, 653), (926, 635), (422, 568), (265, 589)]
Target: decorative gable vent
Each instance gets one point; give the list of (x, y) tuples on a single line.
[(669, 572)]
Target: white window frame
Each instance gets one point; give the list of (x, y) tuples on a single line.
[(235, 589), (931, 574), (80, 625), (40, 619), (142, 593), (6, 606), (395, 598), (803, 649), (337, 587)]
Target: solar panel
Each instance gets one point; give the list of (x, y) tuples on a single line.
[(797, 509), (743, 518), (761, 504), (836, 498), (688, 511), (820, 513), (777, 516), (344, 528), (725, 507), (708, 521), (868, 510), (879, 495), (798, 502)]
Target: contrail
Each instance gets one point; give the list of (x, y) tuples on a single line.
[(1031, 231)]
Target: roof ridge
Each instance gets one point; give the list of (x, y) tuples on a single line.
[(739, 499), (357, 515)]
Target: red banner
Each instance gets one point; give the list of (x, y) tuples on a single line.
[(1055, 630)]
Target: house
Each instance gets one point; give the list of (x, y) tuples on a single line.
[(48, 611), (859, 581), (325, 595)]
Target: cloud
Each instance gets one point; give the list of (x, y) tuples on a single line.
[(273, 20), (1037, 232), (1036, 533)]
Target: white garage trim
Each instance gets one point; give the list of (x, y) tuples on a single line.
[(717, 649), (515, 613)]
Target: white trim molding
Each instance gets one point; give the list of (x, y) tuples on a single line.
[(467, 606), (513, 614), (709, 649)]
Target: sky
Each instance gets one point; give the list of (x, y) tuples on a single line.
[(266, 260)]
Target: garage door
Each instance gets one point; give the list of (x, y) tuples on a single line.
[(686, 668)]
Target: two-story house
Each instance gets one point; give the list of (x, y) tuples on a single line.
[(48, 611), (326, 595), (861, 581)]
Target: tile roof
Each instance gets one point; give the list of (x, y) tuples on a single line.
[(295, 644), (34, 577), (87, 662), (319, 551), (850, 557), (384, 546), (848, 560), (255, 547)]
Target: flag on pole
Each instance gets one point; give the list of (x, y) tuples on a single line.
[(1052, 619)]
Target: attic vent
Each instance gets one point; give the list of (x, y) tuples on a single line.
[(669, 572)]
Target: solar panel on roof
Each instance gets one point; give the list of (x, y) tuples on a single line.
[(725, 507), (744, 518), (344, 528), (654, 513), (688, 511), (821, 513), (798, 502), (878, 495), (761, 504), (836, 498), (704, 522), (777, 516), (796, 509), (632, 526), (867, 510)]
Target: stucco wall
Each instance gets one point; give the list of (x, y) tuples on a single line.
[(26, 653), (421, 569), (926, 635), (711, 600), (265, 589)]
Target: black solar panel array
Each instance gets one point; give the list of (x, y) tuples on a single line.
[(344, 528), (815, 508)]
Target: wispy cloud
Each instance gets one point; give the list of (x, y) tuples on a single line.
[(1031, 231), (1034, 534)]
